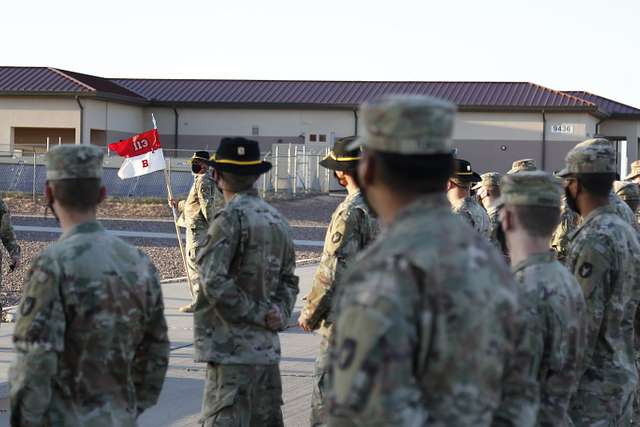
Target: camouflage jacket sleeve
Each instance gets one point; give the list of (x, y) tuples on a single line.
[(152, 356), (345, 241), (373, 353), (520, 389), (285, 295), (6, 231), (592, 270), (210, 198), (39, 339), (560, 237), (214, 263), (181, 206)]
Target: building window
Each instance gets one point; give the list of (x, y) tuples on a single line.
[(323, 138), (255, 130), (313, 137)]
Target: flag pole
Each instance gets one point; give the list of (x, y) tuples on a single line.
[(175, 220)]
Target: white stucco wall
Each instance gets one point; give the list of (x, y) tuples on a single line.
[(36, 112)]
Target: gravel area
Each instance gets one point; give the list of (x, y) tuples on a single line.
[(307, 216)]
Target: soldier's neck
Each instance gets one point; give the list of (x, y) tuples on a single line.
[(521, 246), (69, 219)]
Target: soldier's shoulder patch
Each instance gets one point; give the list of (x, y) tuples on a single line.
[(585, 270), (337, 237)]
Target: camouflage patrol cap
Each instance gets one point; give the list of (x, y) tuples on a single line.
[(489, 179), (530, 188), (591, 156), (627, 190), (74, 161), (635, 170), (523, 165), (407, 124)]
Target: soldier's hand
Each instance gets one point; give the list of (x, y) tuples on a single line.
[(173, 203), (274, 318), (15, 263), (302, 322)]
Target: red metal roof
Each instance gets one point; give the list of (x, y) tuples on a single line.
[(609, 106), (46, 80), (349, 93), (309, 93)]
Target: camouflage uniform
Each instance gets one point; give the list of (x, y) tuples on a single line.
[(569, 221), (604, 256), (352, 228), (91, 337), (553, 305), (246, 267), (422, 338), (7, 235), (624, 211), (197, 213), (474, 214), (490, 179)]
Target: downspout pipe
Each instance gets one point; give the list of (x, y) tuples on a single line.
[(544, 140), (81, 118), (355, 119), (598, 127), (175, 131)]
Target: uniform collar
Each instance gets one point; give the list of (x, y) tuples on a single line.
[(84, 228), (606, 209), (424, 203), (533, 259)]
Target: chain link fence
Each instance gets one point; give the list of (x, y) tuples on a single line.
[(295, 172)]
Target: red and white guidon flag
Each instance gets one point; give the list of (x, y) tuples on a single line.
[(142, 153)]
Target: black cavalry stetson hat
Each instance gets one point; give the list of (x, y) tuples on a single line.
[(462, 171), (240, 156), (200, 155), (341, 159)]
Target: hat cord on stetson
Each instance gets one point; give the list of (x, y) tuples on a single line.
[(342, 159), (236, 162)]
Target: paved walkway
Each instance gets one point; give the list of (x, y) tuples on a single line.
[(181, 396)]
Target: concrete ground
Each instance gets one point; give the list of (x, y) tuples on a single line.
[(181, 396)]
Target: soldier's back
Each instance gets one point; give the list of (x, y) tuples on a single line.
[(475, 215), (604, 258), (110, 296), (555, 312), (425, 325)]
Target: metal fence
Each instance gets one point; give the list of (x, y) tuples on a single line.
[(295, 171)]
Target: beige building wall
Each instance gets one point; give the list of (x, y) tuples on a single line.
[(36, 112)]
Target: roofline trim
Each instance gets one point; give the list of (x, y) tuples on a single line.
[(68, 77)]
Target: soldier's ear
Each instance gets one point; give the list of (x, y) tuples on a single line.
[(102, 194), (366, 169), (48, 192)]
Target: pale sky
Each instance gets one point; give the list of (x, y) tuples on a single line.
[(562, 44)]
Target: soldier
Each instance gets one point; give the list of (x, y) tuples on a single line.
[(91, 337), (522, 165), (569, 220), (629, 192), (352, 228), (196, 215), (427, 326), (634, 175), (247, 296), (462, 204), (604, 256), (488, 191), (8, 240), (552, 300)]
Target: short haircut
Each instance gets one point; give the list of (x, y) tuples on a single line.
[(538, 221), (418, 174), (598, 184), (236, 183), (79, 194)]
